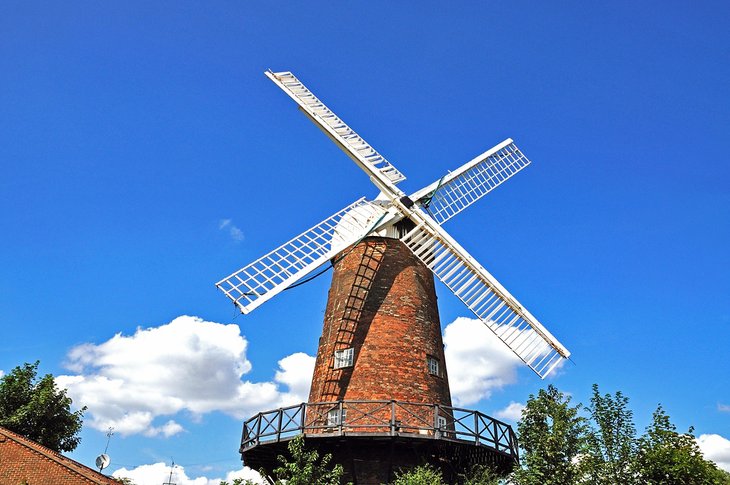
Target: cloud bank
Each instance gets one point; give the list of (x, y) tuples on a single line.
[(513, 412), (478, 362), (715, 448), (160, 473), (138, 383)]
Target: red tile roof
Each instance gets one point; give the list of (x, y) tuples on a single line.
[(25, 461)]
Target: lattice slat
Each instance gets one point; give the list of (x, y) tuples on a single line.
[(352, 143), (259, 281), (487, 299), (459, 189)]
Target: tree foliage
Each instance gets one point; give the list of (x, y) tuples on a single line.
[(428, 475), (238, 481), (129, 481), (304, 467), (420, 475), (481, 475), (552, 434), (611, 441), (561, 447), (37, 409), (670, 458)]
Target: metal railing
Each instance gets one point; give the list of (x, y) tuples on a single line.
[(393, 418)]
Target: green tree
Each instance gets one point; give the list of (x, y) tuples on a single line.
[(428, 475), (305, 467), (238, 481), (719, 476), (480, 475), (125, 481), (420, 475), (38, 410), (561, 447), (552, 434), (667, 457), (611, 441)]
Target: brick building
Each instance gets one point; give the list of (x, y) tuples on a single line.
[(381, 337), (379, 400), (25, 462)]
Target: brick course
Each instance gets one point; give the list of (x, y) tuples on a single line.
[(382, 303)]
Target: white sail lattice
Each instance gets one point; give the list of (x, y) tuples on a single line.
[(261, 280), (461, 188), (344, 136), (487, 299), (426, 209)]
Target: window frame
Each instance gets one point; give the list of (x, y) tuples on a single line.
[(433, 365), (336, 417), (344, 358)]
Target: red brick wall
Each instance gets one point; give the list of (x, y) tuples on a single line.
[(382, 302), (30, 463)]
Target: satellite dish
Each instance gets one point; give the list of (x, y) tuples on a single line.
[(102, 461)]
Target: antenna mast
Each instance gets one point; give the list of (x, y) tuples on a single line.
[(169, 480), (103, 460), (108, 438)]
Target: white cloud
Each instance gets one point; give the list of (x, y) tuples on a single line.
[(246, 473), (513, 412), (2, 373), (168, 429), (295, 372), (715, 448), (189, 364), (478, 362), (160, 472), (724, 408), (235, 233)]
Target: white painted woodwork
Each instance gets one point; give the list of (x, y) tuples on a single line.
[(271, 274), (459, 189), (345, 137), (427, 208)]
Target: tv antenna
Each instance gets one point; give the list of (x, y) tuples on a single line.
[(169, 480), (103, 460)]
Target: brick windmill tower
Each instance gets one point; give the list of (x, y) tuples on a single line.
[(380, 399)]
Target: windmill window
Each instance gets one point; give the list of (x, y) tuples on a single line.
[(344, 358), (441, 422), (433, 365), (336, 417)]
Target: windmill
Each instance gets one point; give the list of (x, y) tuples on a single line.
[(380, 396)]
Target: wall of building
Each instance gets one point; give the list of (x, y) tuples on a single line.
[(382, 303)]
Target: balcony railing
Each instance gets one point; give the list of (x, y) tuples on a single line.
[(393, 418)]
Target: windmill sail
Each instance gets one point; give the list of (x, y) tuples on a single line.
[(344, 136), (486, 297), (269, 275), (261, 280), (459, 189)]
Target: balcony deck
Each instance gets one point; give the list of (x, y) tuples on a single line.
[(460, 437)]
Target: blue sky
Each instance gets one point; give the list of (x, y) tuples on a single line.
[(130, 133)]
